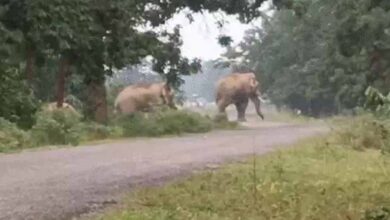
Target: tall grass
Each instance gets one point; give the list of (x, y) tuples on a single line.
[(64, 127), (163, 123), (363, 132)]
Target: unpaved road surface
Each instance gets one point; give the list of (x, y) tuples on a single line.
[(66, 183)]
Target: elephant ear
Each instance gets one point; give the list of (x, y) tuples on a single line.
[(253, 83)]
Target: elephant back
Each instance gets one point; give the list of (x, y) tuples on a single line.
[(139, 96), (238, 82)]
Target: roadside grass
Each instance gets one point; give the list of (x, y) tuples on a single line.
[(321, 178), (66, 128), (287, 116), (163, 123)]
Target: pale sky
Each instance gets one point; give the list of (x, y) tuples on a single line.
[(200, 38)]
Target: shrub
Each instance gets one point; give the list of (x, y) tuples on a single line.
[(382, 213), (176, 122), (91, 131), (11, 137), (221, 121), (18, 103), (59, 126), (139, 125), (163, 123), (364, 132), (377, 102)]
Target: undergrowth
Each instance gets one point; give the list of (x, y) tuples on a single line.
[(11, 137), (363, 132), (65, 127), (163, 123)]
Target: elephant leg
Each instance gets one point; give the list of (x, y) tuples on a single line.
[(222, 115), (222, 105), (241, 109)]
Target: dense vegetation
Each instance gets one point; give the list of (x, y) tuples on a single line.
[(320, 56), (64, 127)]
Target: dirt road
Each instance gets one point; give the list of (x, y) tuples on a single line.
[(65, 183)]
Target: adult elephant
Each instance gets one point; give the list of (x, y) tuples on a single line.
[(237, 89), (142, 97)]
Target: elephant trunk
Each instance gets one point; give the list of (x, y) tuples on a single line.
[(256, 101)]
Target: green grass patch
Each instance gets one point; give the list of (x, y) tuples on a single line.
[(317, 179), (363, 132), (287, 116), (64, 127), (163, 123), (11, 137)]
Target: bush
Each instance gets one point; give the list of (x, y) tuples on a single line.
[(177, 122), (11, 137), (364, 132), (382, 213), (59, 126), (92, 131), (18, 103), (221, 121), (163, 123)]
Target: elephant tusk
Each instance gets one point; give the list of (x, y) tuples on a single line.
[(262, 100)]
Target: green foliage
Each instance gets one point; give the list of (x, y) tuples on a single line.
[(17, 103), (57, 127), (314, 180), (336, 48), (378, 214), (11, 137), (377, 102), (91, 131), (163, 123), (364, 132), (65, 127), (221, 121), (225, 40)]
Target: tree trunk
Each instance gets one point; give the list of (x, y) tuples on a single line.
[(61, 80), (97, 101), (30, 66)]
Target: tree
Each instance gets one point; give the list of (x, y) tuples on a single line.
[(320, 56), (17, 103)]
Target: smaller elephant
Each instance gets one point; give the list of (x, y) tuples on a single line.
[(237, 89), (53, 106), (142, 97)]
